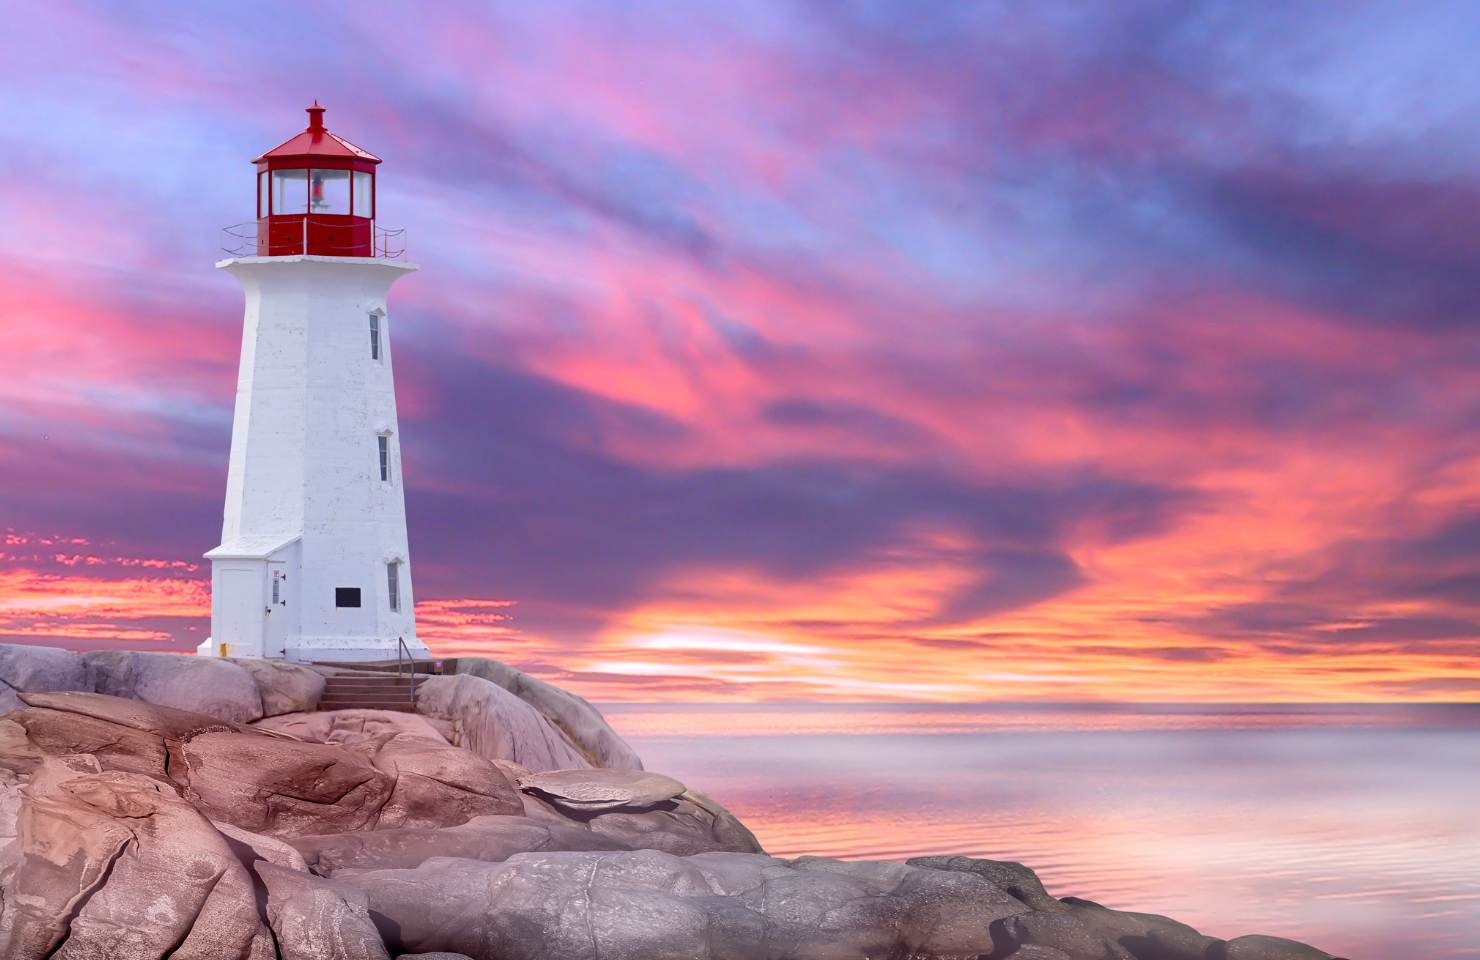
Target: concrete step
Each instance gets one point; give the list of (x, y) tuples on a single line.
[(399, 706), (364, 698), (371, 684)]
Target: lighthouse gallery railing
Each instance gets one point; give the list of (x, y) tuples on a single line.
[(246, 239)]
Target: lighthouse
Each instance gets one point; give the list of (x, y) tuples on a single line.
[(313, 562)]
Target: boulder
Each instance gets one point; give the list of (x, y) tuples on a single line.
[(281, 788), (438, 955), (284, 687), (437, 784), (689, 823), (116, 865), (1143, 934), (582, 723), (26, 669), (1007, 875), (253, 848), (318, 919), (1266, 948), (29, 736), (493, 723), (217, 688), (491, 839), (590, 790), (1062, 932), (584, 906)]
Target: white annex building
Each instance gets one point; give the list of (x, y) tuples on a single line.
[(313, 562)]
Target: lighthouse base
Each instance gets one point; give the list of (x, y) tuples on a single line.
[(328, 650)]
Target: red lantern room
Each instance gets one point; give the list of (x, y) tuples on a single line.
[(316, 195)]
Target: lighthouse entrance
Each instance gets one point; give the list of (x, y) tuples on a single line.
[(275, 643)]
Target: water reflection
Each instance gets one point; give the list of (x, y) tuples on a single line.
[(1351, 827)]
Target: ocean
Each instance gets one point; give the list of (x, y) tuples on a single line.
[(1354, 828)]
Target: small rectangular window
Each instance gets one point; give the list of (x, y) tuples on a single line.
[(277, 590), (364, 196), (393, 584), (385, 457), (374, 336), (346, 596), (262, 188)]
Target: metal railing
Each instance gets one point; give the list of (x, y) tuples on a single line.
[(401, 649), (246, 239)]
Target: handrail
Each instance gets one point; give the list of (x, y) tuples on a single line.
[(245, 239), (400, 647)]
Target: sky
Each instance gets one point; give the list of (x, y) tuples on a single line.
[(795, 350)]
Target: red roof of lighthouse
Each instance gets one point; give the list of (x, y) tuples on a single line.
[(317, 141)]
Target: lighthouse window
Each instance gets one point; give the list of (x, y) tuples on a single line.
[(262, 188), (364, 195), (346, 596), (374, 336), (385, 457), (328, 191), (289, 191), (393, 584)]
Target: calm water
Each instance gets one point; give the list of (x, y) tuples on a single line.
[(1354, 828)]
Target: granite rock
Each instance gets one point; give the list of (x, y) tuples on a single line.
[(25, 668), (495, 724), (284, 687), (217, 688)]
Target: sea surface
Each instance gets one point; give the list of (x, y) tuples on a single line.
[(1355, 828)]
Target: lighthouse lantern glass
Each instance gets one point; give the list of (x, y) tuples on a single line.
[(328, 192), (364, 195), (289, 191)]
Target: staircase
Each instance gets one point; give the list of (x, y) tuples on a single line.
[(367, 691)]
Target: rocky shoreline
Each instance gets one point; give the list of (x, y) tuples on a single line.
[(156, 805)]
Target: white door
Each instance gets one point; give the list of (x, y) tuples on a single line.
[(241, 620), (276, 644)]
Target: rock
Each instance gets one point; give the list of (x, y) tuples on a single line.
[(281, 788), (596, 790), (167, 722), (439, 955), (1032, 951), (491, 839), (251, 848), (30, 669), (1146, 935), (1266, 948), (217, 688), (581, 906), (29, 736), (1007, 875), (688, 824), (116, 865), (347, 727), (284, 687), (437, 784), (1062, 932), (318, 919), (582, 723), (495, 724)]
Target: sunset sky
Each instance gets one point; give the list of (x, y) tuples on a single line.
[(809, 350)]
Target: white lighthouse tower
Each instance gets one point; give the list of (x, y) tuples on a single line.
[(313, 562)]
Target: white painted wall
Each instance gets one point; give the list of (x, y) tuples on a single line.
[(310, 404)]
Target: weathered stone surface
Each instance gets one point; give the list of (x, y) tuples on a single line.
[(318, 919), (30, 735), (206, 685), (439, 955), (116, 865), (1143, 934), (582, 723), (1060, 931), (581, 906), (437, 784), (282, 788), (1266, 948), (1007, 875), (170, 723), (252, 848), (595, 790), (688, 824), (27, 669), (495, 724), (348, 727), (491, 839), (284, 687)]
